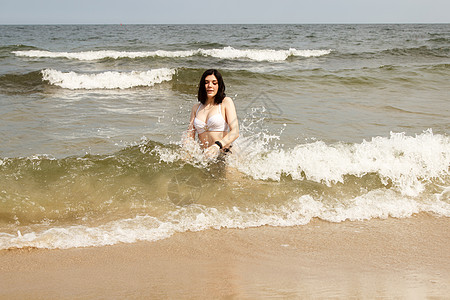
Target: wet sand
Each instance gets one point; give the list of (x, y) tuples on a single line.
[(394, 258)]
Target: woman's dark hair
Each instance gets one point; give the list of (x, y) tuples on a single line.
[(202, 96)]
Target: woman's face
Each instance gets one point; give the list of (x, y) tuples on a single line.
[(211, 85)]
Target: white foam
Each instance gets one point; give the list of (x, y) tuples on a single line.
[(379, 203), (102, 54), (262, 54), (406, 161), (225, 53), (410, 163), (107, 80)]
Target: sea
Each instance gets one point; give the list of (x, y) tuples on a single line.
[(340, 123)]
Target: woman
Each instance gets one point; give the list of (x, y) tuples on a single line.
[(214, 118)]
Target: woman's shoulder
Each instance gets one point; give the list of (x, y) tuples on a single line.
[(196, 106), (227, 101)]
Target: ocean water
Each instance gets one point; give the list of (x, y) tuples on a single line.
[(338, 122)]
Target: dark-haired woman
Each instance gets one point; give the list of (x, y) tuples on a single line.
[(214, 117)]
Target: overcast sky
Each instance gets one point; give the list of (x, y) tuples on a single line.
[(227, 11)]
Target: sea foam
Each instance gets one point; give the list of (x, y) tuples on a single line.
[(408, 165), (406, 161), (107, 80), (298, 211), (224, 53)]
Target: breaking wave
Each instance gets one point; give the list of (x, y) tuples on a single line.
[(150, 191), (107, 80), (224, 53)]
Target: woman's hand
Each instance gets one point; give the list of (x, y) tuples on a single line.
[(212, 151), (189, 148)]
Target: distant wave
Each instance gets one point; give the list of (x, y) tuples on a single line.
[(224, 53), (17, 47), (107, 80), (422, 51), (36, 81)]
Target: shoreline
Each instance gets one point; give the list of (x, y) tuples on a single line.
[(400, 258)]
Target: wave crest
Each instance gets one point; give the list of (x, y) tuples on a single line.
[(224, 53), (299, 211), (405, 161), (107, 80), (396, 176)]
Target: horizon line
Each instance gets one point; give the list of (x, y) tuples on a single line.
[(306, 23)]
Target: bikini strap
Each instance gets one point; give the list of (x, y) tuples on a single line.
[(198, 109)]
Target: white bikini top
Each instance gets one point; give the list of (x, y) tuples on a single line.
[(214, 123)]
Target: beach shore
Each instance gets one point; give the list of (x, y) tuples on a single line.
[(394, 258)]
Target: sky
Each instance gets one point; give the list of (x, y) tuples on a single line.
[(222, 12)]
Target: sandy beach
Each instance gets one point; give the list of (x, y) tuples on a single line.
[(393, 258)]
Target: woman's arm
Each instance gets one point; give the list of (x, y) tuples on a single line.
[(232, 120), (188, 137), (190, 133)]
